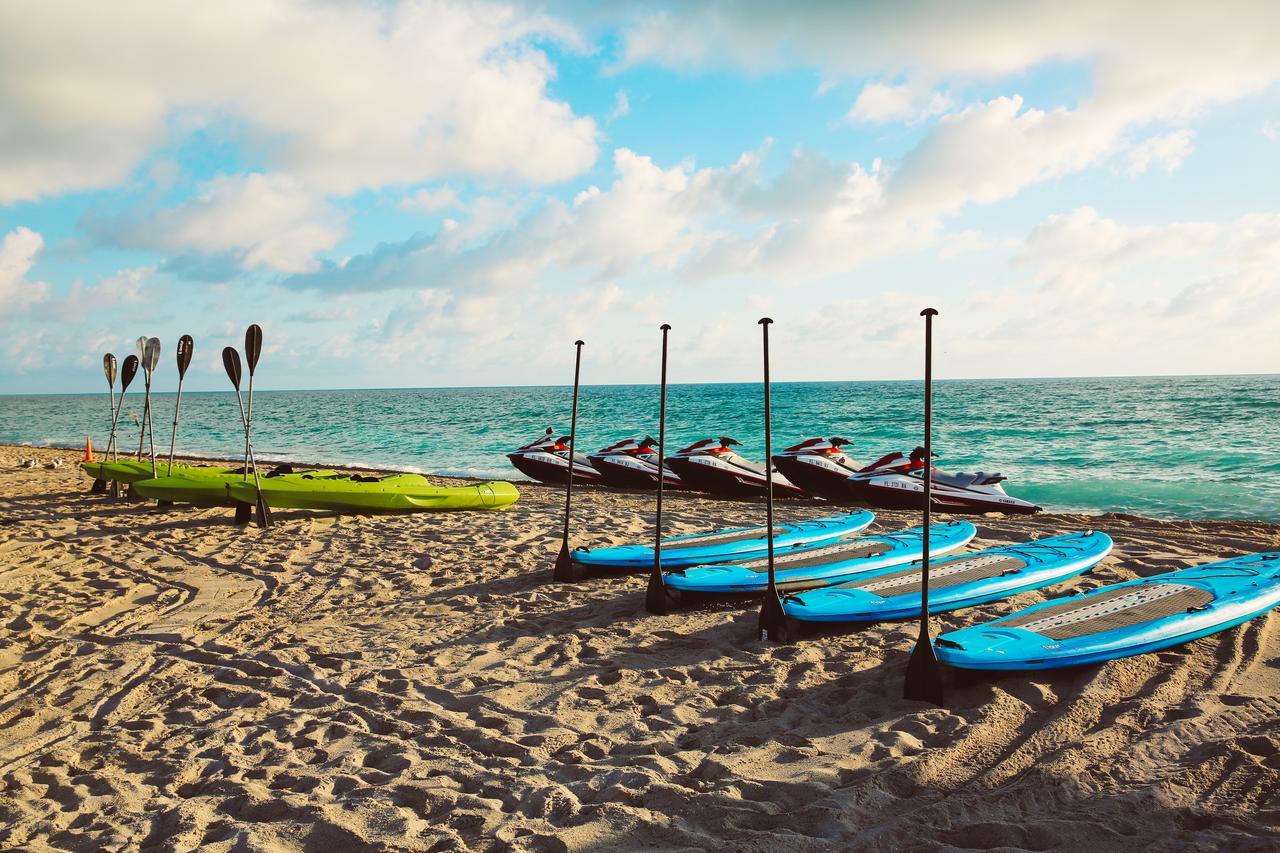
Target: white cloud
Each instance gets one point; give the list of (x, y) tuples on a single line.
[(18, 252), (880, 103), (621, 106), (342, 95), (1146, 66), (1271, 130), (431, 200), (1166, 152), (254, 221)]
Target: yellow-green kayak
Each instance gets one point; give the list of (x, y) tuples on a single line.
[(133, 470), (350, 493)]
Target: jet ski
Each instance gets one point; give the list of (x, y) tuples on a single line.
[(546, 459), (892, 486), (819, 466), (711, 465), (633, 464)]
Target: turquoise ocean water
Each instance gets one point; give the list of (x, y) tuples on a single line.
[(1173, 447)]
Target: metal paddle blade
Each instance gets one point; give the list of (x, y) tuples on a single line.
[(152, 355), (128, 371), (231, 362), (109, 368), (142, 348), (252, 346), (185, 347), (924, 674)]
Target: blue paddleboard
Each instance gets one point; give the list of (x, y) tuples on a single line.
[(961, 580), (822, 566), (1122, 619), (739, 543)]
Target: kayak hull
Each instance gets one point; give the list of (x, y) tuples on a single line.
[(397, 493)]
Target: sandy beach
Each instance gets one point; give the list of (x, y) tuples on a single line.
[(169, 681)]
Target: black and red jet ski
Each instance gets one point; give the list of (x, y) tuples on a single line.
[(633, 464), (546, 459), (820, 467), (711, 465), (897, 482)]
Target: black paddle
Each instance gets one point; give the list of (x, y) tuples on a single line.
[(185, 348), (109, 369), (773, 619), (127, 371), (252, 352), (564, 570), (924, 675), (655, 598), (231, 363)]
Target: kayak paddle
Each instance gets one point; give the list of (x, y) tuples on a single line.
[(127, 371), (252, 351), (564, 571), (141, 349), (231, 362), (773, 619), (151, 358), (185, 347), (108, 368), (924, 675), (656, 597)]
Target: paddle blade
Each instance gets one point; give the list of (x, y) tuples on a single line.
[(185, 347), (773, 624), (231, 362), (656, 599), (264, 514), (924, 674), (128, 371), (153, 354), (109, 368), (565, 571), (252, 346), (142, 348)]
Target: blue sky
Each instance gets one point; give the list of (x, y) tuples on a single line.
[(437, 193)]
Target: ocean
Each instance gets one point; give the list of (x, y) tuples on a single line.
[(1168, 447)]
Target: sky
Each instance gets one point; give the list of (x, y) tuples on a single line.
[(411, 194)]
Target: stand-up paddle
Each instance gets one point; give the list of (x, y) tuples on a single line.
[(924, 675), (773, 619), (656, 599), (185, 347), (252, 351), (231, 363), (109, 369), (564, 571)]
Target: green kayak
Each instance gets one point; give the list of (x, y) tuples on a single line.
[(200, 486), (133, 470), (396, 492)]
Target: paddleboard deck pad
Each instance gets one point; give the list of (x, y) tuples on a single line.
[(958, 581), (394, 493), (1121, 619), (823, 566), (740, 543)]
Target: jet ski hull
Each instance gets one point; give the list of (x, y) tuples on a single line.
[(554, 469), (629, 472), (707, 473), (824, 478), (904, 492)]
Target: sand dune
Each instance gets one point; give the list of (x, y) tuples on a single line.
[(168, 681)]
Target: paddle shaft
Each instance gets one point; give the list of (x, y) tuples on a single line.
[(173, 437), (662, 443), (111, 442), (248, 446), (573, 435), (768, 462), (928, 473)]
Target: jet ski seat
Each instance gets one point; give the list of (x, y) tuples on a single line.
[(963, 480)]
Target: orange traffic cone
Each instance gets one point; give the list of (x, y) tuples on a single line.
[(88, 449)]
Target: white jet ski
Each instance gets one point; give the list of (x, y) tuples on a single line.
[(893, 487), (546, 459), (633, 464)]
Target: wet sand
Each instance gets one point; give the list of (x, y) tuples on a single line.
[(169, 681)]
